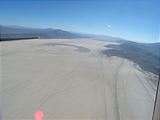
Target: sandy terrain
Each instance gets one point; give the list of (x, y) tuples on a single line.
[(71, 79)]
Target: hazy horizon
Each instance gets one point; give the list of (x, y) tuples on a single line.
[(136, 21)]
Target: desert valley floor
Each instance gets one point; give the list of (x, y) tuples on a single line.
[(71, 79)]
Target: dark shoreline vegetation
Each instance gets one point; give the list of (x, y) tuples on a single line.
[(139, 53)]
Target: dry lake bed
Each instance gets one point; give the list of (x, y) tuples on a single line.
[(71, 79)]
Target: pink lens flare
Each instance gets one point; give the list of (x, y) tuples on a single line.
[(38, 115), (108, 26)]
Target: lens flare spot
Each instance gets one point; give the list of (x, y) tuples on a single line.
[(108, 26), (38, 115)]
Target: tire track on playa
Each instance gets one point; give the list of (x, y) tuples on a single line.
[(55, 93), (150, 82), (65, 90), (125, 102), (144, 86), (100, 59), (69, 75), (21, 83), (117, 114), (26, 81), (116, 90)]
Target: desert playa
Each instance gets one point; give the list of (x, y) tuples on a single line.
[(72, 79)]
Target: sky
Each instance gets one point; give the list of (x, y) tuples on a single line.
[(136, 20)]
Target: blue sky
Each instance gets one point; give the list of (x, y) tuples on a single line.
[(136, 20)]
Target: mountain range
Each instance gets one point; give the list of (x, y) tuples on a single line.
[(146, 55), (22, 32)]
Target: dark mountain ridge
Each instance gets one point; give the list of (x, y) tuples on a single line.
[(22, 32), (146, 55)]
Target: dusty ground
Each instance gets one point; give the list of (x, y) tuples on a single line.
[(71, 79)]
